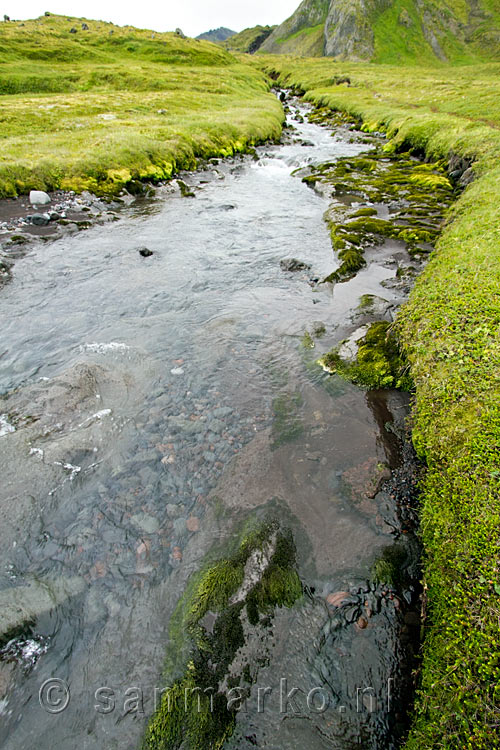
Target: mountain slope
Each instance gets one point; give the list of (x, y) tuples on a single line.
[(249, 40), (391, 31), (216, 35)]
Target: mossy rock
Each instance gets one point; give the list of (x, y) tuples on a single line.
[(423, 190), (365, 212), (307, 341), (352, 261), (389, 569), (194, 712), (379, 362)]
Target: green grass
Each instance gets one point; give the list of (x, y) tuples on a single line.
[(248, 40), (308, 41), (450, 332), (95, 109), (410, 32)]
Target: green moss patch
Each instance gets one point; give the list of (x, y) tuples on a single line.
[(194, 711), (423, 193), (378, 364), (287, 424)]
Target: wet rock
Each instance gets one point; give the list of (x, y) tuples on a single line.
[(39, 197), (146, 523), (145, 252), (39, 220), (375, 307), (337, 599), (180, 527), (23, 604), (292, 264), (362, 623), (177, 554), (216, 426), (365, 479), (180, 424), (349, 348), (193, 523), (222, 411)]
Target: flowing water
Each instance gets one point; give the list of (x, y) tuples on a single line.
[(143, 386)]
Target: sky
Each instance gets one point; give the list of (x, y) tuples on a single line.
[(192, 16)]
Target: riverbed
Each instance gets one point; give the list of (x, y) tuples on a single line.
[(141, 392)]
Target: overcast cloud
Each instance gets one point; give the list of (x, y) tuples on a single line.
[(192, 16)]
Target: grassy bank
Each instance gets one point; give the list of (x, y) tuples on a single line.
[(450, 331), (96, 107)]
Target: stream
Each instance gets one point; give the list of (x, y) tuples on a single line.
[(139, 391)]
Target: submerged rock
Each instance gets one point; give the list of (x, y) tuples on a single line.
[(21, 605), (217, 633), (292, 264)]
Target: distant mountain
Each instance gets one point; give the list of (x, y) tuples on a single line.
[(391, 31), (217, 35), (249, 40)]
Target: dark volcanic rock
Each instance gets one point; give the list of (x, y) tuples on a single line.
[(145, 252), (39, 220)]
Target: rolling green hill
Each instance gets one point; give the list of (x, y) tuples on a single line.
[(391, 31), (86, 105)]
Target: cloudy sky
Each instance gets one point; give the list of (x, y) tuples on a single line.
[(192, 16)]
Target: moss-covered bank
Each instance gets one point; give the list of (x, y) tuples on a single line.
[(450, 331)]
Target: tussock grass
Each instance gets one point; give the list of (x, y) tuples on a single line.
[(450, 331), (95, 109)]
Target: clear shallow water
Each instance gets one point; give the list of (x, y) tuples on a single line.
[(187, 350)]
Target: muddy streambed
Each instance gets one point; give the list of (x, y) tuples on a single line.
[(153, 404)]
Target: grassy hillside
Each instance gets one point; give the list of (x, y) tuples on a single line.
[(301, 34), (392, 31), (98, 107), (450, 330), (249, 40)]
